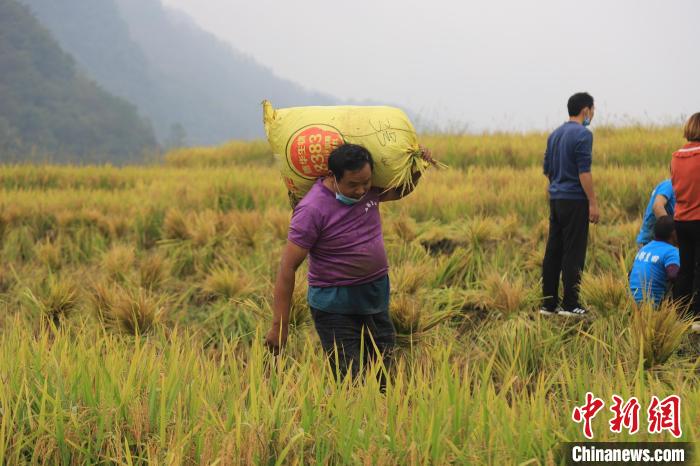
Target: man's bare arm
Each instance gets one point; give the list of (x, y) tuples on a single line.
[(659, 206), (292, 257), (587, 184), (394, 194)]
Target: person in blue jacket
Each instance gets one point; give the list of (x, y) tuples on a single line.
[(656, 264), (572, 205), (661, 203)]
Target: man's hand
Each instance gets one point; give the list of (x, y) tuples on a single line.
[(593, 212), (427, 155), (292, 257), (276, 338), (394, 194), (587, 184)]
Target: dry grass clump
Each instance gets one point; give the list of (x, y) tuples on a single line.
[(414, 317), (607, 293), (130, 310), (48, 253), (409, 277), (226, 282), (55, 299), (504, 294), (657, 333), (455, 270), (153, 271), (246, 227), (176, 225), (203, 227), (118, 261), (404, 227), (509, 294), (277, 222)]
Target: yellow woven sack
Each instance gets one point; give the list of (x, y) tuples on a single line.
[(302, 138)]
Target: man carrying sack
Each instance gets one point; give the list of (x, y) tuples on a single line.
[(337, 224)]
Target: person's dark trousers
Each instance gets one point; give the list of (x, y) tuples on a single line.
[(350, 333), (566, 252), (687, 286)]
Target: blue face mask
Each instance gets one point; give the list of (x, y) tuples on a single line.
[(343, 198), (346, 200), (586, 121)]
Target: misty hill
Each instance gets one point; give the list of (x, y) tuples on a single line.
[(193, 87), (49, 109)]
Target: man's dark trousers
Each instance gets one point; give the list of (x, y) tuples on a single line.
[(687, 287), (352, 335), (565, 253)]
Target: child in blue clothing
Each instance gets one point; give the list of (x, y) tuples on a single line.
[(656, 264), (661, 203)]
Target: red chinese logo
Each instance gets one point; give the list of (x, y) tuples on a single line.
[(665, 415), (626, 415), (587, 412), (309, 148), (662, 415)]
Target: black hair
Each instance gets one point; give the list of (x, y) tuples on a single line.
[(350, 157), (664, 228), (578, 102)]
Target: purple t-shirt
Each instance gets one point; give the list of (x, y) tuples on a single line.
[(345, 243)]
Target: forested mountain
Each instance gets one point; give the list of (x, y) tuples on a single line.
[(193, 87), (49, 109)]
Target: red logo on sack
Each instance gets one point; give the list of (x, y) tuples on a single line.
[(309, 148)]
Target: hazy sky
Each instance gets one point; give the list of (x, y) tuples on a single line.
[(477, 64)]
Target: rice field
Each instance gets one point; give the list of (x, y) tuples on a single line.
[(135, 301)]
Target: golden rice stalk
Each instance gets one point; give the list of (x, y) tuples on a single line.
[(482, 231), (454, 270), (175, 226), (153, 271), (102, 298), (204, 227), (412, 163), (245, 227), (48, 253), (118, 261), (405, 314), (277, 221), (225, 282), (657, 333), (135, 311), (413, 317), (56, 299), (408, 277), (405, 228), (119, 226), (506, 294), (607, 293), (7, 279)]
